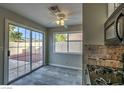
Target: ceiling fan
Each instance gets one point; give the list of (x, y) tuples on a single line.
[(60, 17)]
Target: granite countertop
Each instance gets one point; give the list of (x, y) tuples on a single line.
[(100, 75)]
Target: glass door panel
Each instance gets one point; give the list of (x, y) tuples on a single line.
[(33, 49), (37, 52), (13, 49), (21, 52), (41, 49), (19, 59), (26, 51), (28, 60)]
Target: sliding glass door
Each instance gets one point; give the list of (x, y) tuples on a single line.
[(37, 49), (25, 51)]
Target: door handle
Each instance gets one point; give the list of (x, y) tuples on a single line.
[(116, 25), (8, 52)]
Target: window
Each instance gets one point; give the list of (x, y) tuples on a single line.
[(61, 42), (69, 42), (112, 7)]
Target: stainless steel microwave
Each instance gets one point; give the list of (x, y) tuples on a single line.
[(114, 27)]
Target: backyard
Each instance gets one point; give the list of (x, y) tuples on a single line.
[(20, 58)]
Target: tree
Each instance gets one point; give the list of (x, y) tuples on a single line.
[(13, 35), (60, 37)]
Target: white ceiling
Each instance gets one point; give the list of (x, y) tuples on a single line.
[(39, 12)]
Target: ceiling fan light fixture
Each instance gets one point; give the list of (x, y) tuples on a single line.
[(57, 22), (62, 22)]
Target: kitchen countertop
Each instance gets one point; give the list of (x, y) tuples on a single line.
[(102, 75)]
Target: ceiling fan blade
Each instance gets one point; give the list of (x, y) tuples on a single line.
[(70, 18), (66, 19), (51, 22), (65, 26)]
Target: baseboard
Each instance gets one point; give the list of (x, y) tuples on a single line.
[(70, 67)]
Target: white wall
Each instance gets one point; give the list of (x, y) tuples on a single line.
[(66, 60), (94, 16)]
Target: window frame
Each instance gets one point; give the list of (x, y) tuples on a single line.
[(67, 32)]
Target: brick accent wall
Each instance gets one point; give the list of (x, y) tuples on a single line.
[(105, 55)]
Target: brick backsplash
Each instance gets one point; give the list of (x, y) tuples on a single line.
[(110, 55)]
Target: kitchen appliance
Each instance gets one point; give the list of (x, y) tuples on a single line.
[(114, 27)]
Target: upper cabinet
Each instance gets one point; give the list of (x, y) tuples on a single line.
[(114, 26)]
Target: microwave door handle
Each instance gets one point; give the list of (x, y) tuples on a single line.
[(116, 26)]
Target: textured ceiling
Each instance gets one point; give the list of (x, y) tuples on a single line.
[(39, 12)]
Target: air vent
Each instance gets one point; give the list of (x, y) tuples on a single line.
[(54, 9)]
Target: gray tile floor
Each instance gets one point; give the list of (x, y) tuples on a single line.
[(51, 75)]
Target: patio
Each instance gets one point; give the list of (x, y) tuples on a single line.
[(18, 68)]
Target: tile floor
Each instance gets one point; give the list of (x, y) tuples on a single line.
[(51, 75)]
